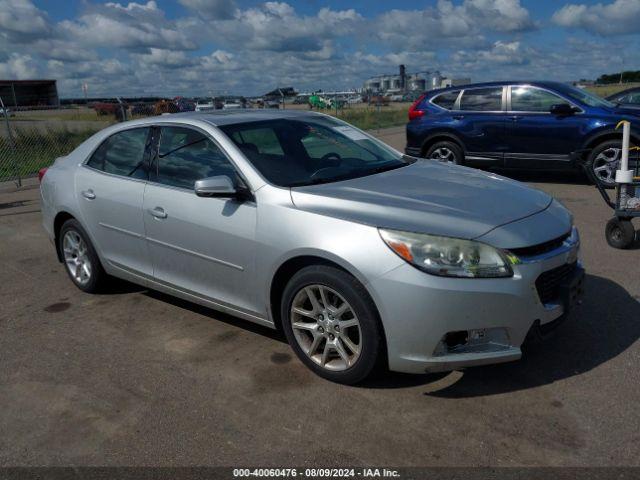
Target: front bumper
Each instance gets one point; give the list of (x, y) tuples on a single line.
[(419, 310)]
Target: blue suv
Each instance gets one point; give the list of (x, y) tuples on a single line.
[(520, 125)]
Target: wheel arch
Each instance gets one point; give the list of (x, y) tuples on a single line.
[(58, 221), (438, 137), (290, 266), (596, 139)]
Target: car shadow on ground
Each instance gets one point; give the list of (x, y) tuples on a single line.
[(603, 327), (542, 176), (217, 315)]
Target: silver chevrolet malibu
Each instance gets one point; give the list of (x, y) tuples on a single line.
[(364, 257)]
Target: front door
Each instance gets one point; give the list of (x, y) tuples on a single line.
[(537, 138), (110, 188), (201, 246)]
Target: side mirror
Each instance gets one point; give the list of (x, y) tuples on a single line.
[(562, 109), (220, 186)]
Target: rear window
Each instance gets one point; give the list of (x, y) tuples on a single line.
[(446, 100), (482, 100)]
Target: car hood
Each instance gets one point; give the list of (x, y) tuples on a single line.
[(428, 197)]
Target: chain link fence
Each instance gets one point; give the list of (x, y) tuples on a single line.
[(33, 139)]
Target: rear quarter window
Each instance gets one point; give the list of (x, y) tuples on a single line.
[(446, 100), (123, 154)]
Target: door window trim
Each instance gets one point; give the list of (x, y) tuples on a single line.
[(510, 110)]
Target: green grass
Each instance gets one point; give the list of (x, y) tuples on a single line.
[(606, 90), (371, 118), (33, 149)]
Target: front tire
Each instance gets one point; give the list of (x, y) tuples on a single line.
[(445, 151), (603, 161), (332, 324), (80, 258)]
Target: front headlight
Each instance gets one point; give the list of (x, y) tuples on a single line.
[(448, 257)]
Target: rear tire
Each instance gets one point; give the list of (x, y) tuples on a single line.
[(80, 258), (620, 233), (445, 151), (338, 335)]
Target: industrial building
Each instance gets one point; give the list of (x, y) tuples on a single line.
[(29, 93), (403, 82)]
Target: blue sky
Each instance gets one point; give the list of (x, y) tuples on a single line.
[(208, 47)]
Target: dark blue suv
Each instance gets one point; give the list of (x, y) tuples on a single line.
[(520, 125)]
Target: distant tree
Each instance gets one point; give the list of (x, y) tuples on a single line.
[(625, 77)]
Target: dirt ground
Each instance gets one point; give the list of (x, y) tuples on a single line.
[(134, 377)]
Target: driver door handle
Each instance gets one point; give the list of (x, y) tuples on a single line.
[(88, 194), (515, 118), (158, 212)]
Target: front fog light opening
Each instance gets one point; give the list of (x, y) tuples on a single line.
[(473, 341)]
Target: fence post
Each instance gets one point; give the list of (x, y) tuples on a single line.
[(16, 167)]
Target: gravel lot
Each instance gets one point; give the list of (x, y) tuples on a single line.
[(135, 377)]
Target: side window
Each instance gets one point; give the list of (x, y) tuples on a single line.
[(123, 153), (446, 100), (633, 98), (530, 99), (482, 100), (258, 140), (186, 155)]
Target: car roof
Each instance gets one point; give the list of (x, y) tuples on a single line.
[(220, 118), (535, 83)]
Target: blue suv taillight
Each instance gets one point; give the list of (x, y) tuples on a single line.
[(414, 111)]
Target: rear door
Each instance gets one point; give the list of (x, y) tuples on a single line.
[(537, 138), (110, 188), (481, 116), (202, 246)]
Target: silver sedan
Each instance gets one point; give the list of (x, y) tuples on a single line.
[(364, 257)]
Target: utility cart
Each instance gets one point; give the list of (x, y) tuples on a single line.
[(620, 232)]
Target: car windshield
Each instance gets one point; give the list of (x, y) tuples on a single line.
[(299, 151), (585, 97)]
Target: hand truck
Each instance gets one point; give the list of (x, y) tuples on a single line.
[(619, 231)]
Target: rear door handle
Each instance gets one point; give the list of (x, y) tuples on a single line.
[(88, 194), (515, 118), (458, 117), (158, 212)]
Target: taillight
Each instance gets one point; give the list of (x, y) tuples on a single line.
[(41, 173), (413, 109)]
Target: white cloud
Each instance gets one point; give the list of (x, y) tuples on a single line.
[(616, 18), (21, 20), (20, 67), (463, 24), (134, 26)]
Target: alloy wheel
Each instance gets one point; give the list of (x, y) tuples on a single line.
[(76, 257), (326, 327), (443, 154), (605, 165)]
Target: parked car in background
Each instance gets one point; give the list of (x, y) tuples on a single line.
[(626, 98), (204, 105), (296, 220), (520, 125)]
